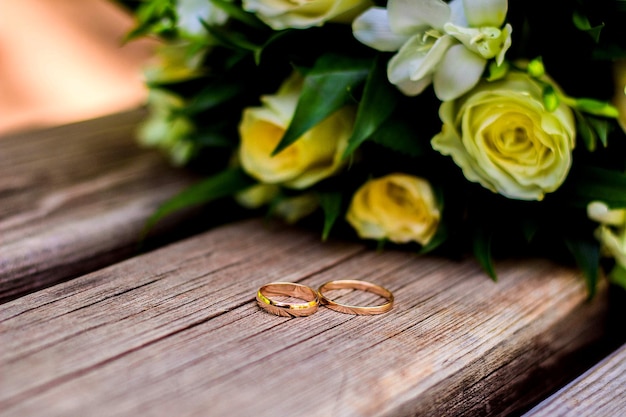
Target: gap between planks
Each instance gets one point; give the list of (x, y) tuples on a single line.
[(600, 391)]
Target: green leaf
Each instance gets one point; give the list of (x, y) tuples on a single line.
[(592, 183), (618, 276), (596, 107), (271, 40), (482, 251), (586, 253), (529, 228), (211, 138), (582, 23), (399, 135), (602, 128), (326, 89), (230, 39), (591, 129), (220, 185), (213, 95), (586, 132), (331, 205), (497, 72), (157, 16), (378, 103)]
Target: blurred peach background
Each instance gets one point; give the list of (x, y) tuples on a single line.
[(63, 61)]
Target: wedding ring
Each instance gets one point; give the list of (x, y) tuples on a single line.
[(288, 289), (356, 285)]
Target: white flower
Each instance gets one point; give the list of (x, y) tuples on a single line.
[(190, 13), (166, 128), (446, 44), (612, 230)]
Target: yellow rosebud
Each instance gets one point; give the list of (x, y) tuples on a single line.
[(292, 209), (502, 136), (257, 195), (284, 14), (314, 156), (619, 71), (398, 207)]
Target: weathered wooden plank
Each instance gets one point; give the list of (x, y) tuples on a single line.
[(601, 391), (177, 332), (74, 198)]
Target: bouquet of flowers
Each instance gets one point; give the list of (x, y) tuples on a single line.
[(490, 127)]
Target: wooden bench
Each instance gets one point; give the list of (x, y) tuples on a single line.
[(92, 326), (75, 198)]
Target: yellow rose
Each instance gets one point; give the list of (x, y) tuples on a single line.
[(612, 230), (284, 14), (502, 137), (619, 71), (398, 207), (314, 156)]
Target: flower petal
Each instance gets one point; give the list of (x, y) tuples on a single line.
[(601, 213), (487, 41), (413, 88), (429, 62), (372, 29), (457, 14), (458, 72), (485, 12), (409, 16)]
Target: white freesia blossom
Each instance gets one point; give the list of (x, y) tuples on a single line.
[(612, 230), (166, 128), (191, 13), (446, 44)]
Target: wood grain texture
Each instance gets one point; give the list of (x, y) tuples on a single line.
[(75, 198), (601, 391), (177, 332)]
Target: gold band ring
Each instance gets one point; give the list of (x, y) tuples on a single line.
[(288, 289), (356, 285)]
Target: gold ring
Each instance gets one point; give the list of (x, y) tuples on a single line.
[(288, 289), (356, 285)]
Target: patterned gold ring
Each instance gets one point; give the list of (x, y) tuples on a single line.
[(288, 289), (356, 285)]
